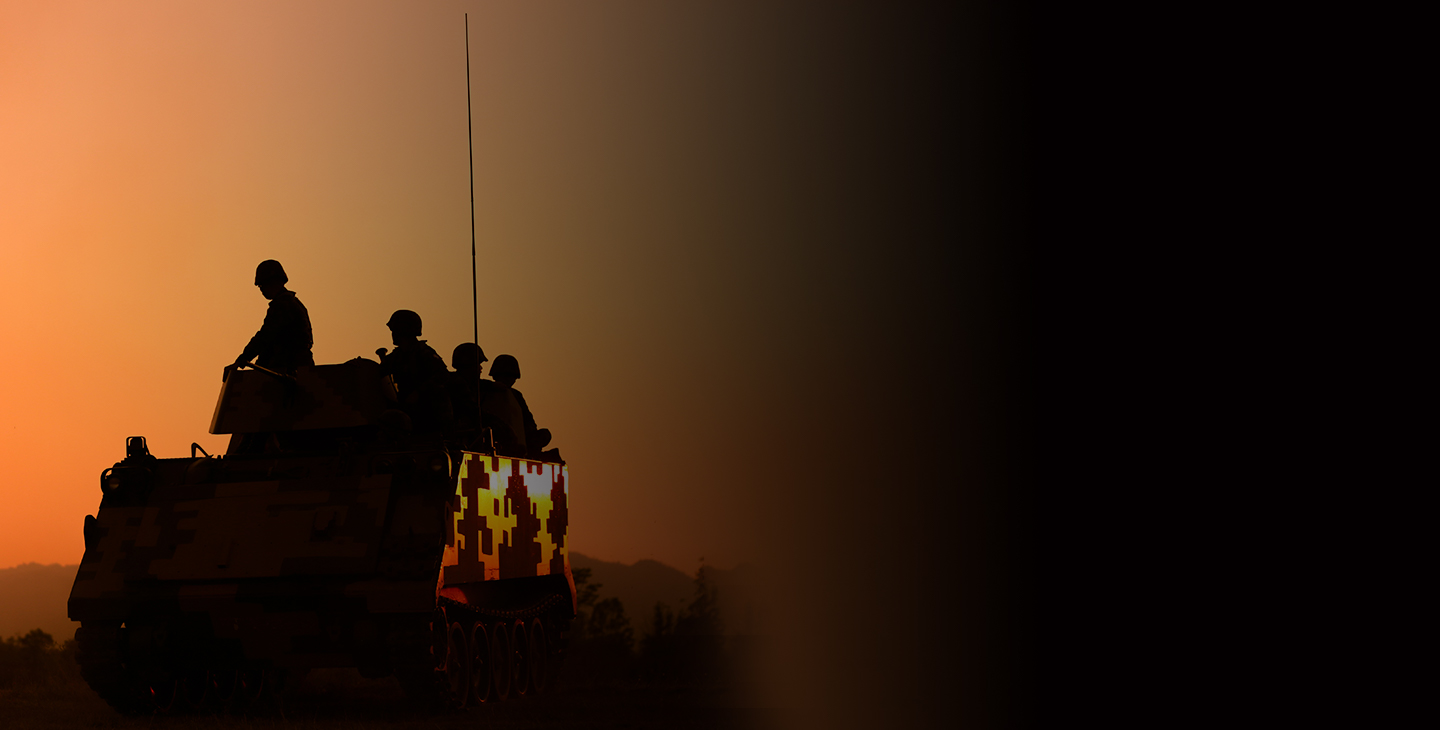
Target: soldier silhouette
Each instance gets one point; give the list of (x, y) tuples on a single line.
[(284, 340), (419, 373), (464, 384), (504, 410)]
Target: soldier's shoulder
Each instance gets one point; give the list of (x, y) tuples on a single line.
[(421, 353), (288, 300)]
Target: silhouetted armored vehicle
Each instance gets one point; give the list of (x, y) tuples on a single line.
[(324, 537)]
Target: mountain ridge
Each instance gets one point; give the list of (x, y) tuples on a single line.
[(642, 584), (48, 589)]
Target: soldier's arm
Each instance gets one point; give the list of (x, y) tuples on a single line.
[(391, 362), (530, 426), (253, 348), (262, 339)]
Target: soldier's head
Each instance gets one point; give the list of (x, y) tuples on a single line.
[(505, 370), (404, 326), (467, 358), (270, 277)]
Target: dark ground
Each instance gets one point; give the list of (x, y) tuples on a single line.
[(342, 699)]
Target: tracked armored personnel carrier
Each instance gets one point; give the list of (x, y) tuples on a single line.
[(323, 537)]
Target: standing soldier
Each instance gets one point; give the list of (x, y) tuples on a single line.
[(284, 340), (419, 373)]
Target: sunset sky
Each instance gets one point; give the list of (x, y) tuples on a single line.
[(743, 252)]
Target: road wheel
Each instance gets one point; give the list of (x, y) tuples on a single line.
[(457, 665), (195, 688), (160, 691), (439, 638), (501, 659), (222, 692), (249, 688), (481, 667), (520, 666)]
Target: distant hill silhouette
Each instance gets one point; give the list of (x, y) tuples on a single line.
[(33, 596), (638, 586), (641, 585)]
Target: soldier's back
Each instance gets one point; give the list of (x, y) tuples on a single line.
[(291, 340)]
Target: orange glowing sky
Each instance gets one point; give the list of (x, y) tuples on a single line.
[(152, 154)]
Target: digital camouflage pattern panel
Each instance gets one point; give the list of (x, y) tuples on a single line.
[(509, 520)]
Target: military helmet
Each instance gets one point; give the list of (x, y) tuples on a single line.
[(505, 366), (270, 272), (467, 355), (404, 322)]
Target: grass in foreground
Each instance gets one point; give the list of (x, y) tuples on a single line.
[(342, 699)]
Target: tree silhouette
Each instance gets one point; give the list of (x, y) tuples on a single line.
[(35, 658), (686, 647)]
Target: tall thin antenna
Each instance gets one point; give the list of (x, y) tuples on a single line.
[(470, 137)]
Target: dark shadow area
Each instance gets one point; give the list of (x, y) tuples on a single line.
[(35, 660), (682, 671), (678, 680), (685, 648)]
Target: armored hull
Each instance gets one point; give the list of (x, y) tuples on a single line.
[(207, 581)]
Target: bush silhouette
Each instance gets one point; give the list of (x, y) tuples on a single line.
[(35, 659), (677, 648)]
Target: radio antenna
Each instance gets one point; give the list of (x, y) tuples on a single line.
[(470, 138)]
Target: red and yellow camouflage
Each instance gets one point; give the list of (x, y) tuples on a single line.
[(509, 520)]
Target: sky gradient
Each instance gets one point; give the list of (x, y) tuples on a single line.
[(746, 255)]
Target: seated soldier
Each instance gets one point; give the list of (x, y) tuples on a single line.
[(418, 372), (500, 409), (464, 384), (504, 410)]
